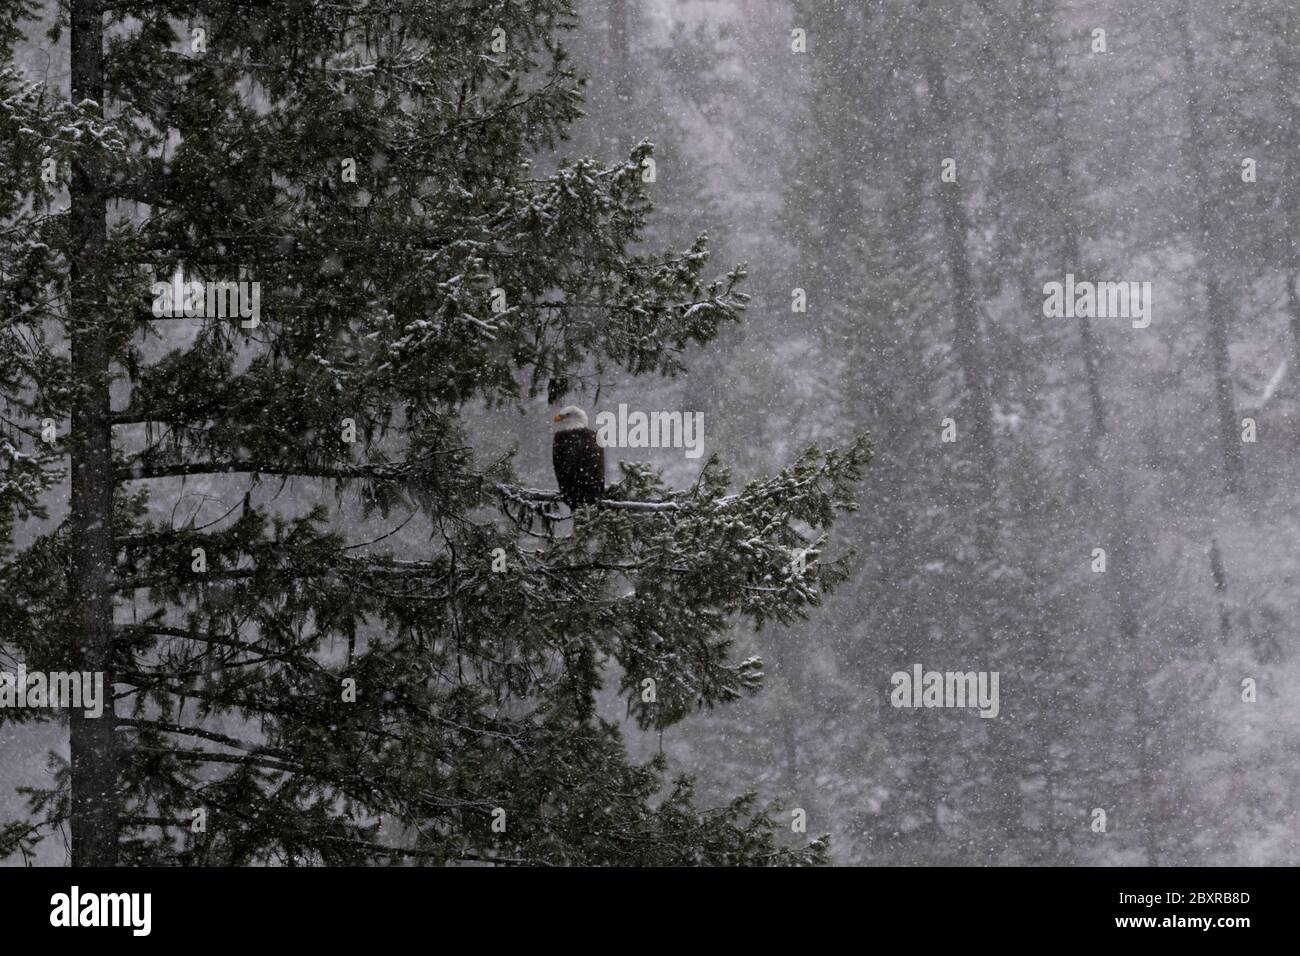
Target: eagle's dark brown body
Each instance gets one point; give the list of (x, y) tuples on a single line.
[(579, 466)]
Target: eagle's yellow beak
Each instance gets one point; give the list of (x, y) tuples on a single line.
[(558, 417)]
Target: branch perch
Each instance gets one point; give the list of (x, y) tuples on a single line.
[(541, 495)]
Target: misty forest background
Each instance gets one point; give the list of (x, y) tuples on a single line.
[(820, 170)]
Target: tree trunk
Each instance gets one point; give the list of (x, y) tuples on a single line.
[(1217, 309), (618, 48), (967, 337), (1136, 659), (1288, 74), (93, 820), (1070, 237)]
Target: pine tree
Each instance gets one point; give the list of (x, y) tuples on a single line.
[(954, 578), (305, 683)]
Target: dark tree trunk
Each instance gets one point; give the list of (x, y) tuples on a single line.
[(967, 335), (1220, 589), (1217, 309), (93, 820)]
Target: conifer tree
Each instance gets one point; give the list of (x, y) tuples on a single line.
[(295, 680)]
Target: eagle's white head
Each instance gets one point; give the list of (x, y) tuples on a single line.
[(571, 417)]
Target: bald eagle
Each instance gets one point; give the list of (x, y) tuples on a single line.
[(578, 458)]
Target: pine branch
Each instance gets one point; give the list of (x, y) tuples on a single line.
[(201, 637), (209, 735), (207, 756), (139, 472), (518, 495)]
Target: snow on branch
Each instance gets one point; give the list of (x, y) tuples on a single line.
[(541, 495)]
